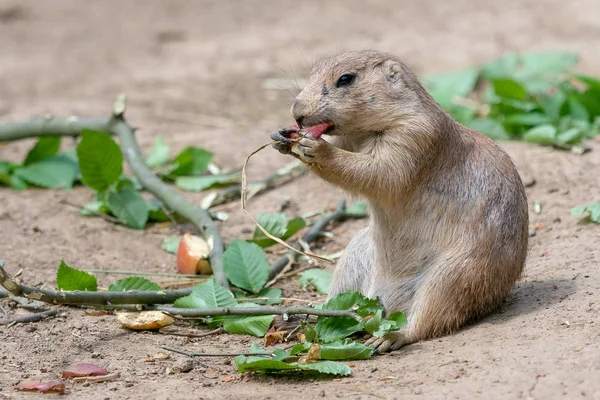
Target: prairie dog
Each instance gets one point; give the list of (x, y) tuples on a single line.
[(447, 238)]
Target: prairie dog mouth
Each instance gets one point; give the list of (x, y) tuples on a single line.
[(316, 130)]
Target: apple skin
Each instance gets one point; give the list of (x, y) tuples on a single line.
[(192, 255)]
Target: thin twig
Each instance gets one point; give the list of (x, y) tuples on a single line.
[(193, 354), (281, 177), (104, 216), (266, 233), (259, 310), (30, 318), (89, 298), (273, 298), (141, 300), (97, 379), (193, 335), (314, 233), (146, 273), (168, 196)]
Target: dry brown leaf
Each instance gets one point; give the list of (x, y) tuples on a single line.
[(274, 337), (314, 354)]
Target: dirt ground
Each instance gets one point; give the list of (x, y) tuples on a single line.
[(194, 72)]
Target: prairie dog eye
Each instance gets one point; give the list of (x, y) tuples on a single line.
[(345, 80)]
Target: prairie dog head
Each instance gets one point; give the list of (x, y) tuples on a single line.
[(360, 93)]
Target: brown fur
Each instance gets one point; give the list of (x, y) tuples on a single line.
[(448, 233)]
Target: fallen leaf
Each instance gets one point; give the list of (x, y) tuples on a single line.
[(145, 320), (314, 354), (227, 379), (42, 387), (83, 369), (274, 337), (301, 337)]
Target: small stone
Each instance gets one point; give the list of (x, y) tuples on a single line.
[(183, 365), (30, 328)]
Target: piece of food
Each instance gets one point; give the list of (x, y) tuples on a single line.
[(145, 320), (83, 369), (192, 255)]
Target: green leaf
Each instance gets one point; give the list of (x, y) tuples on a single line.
[(333, 329), (214, 294), (52, 172), (528, 119), (5, 173), (571, 136), (170, 244), (130, 207), (346, 351), (390, 324), (294, 226), (275, 224), (266, 365), (590, 99), (592, 209), (490, 128), (299, 348), (246, 265), (462, 114), (191, 161), (190, 301), (543, 134), (549, 62), (280, 354), (18, 183), (271, 293), (45, 147), (68, 278), (327, 367), (590, 81), (159, 154), (373, 323), (459, 83), (156, 211), (529, 66), (309, 331), (93, 209), (256, 325), (353, 300), (509, 88), (357, 209), (278, 226), (256, 348), (318, 278), (553, 103), (500, 68), (123, 183), (577, 110), (100, 160), (200, 183), (133, 283)]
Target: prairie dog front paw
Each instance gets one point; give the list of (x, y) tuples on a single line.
[(311, 150)]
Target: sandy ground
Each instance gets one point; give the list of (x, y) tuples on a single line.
[(193, 71)]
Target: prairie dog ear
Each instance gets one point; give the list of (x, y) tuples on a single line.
[(394, 71)]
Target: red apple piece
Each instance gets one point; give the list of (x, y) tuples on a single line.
[(192, 255)]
